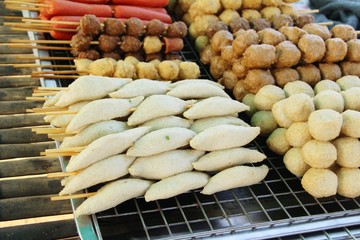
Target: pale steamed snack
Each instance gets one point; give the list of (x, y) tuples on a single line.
[(265, 121), (277, 141), (298, 134), (329, 99), (249, 100), (298, 107), (157, 106), (279, 115), (325, 124), (214, 106), (231, 136), (347, 82), (172, 85), (161, 140), (175, 185), (235, 177), (351, 98), (166, 122), (141, 87), (326, 85), (53, 100), (319, 154), (320, 182), (62, 121), (204, 123), (295, 163), (124, 69), (296, 87), (215, 160), (90, 88), (106, 170), (104, 147), (348, 152), (113, 194), (348, 182), (351, 123), (165, 164), (194, 90), (267, 96), (100, 110)]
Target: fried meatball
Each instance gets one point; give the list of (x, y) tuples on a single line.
[(353, 52), (251, 4), (114, 27), (239, 90), (218, 66), (90, 25), (319, 182), (231, 4), (229, 80), (168, 70), (177, 30), (350, 68), (244, 40), (239, 68), (309, 73), (221, 39), (312, 48), (228, 15), (227, 53), (270, 12), (103, 67), (89, 54), (113, 55), (256, 79), (284, 75), (215, 27), (108, 43), (201, 23), (273, 3), (317, 29), (130, 44), (292, 34), (271, 36), (259, 56), (259, 24), (336, 50), (188, 70), (250, 14), (239, 23), (304, 19), (287, 55), (289, 10), (330, 71), (124, 69), (281, 21), (80, 42), (344, 31), (207, 54), (155, 28), (146, 70), (135, 27), (153, 56), (152, 44)]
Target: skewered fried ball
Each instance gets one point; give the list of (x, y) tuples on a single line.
[(353, 52), (221, 39), (108, 43), (80, 42), (259, 56), (344, 31), (289, 10), (114, 27), (288, 55), (350, 68), (284, 75), (259, 24), (239, 68), (239, 90), (281, 21), (201, 23), (329, 71), (292, 34), (256, 79), (312, 48), (227, 53), (218, 66), (207, 54), (309, 73), (271, 36), (89, 54), (135, 27), (176, 30), (228, 15), (244, 40), (230, 4), (146, 70), (124, 69), (270, 12), (103, 67), (274, 3), (251, 4), (317, 29), (152, 44), (188, 70), (304, 19), (250, 14), (155, 28), (336, 50), (320, 182), (130, 44), (168, 70), (90, 25), (239, 23), (215, 27), (114, 55), (229, 80)]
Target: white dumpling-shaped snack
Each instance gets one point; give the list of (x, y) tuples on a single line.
[(175, 84), (63, 120), (166, 122), (204, 123), (194, 90), (90, 88), (165, 164), (222, 159), (239, 176), (157, 106), (215, 106), (224, 137), (93, 132), (161, 140), (53, 100), (141, 87), (104, 147), (113, 194), (175, 185), (106, 170), (103, 109)]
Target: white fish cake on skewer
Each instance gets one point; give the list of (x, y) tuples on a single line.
[(222, 159), (164, 164), (196, 81), (166, 122), (106, 170), (239, 176), (113, 194), (51, 101), (224, 137), (215, 106), (175, 185), (103, 109), (161, 140), (64, 120), (157, 106), (141, 87), (104, 147), (93, 132), (90, 88), (196, 90), (204, 123)]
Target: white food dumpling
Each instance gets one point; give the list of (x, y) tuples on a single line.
[(62, 121), (215, 106), (106, 170), (161, 140), (53, 100), (175, 84), (224, 137), (194, 90), (141, 87), (103, 109), (175, 185), (222, 159), (90, 88), (204, 123), (235, 177), (166, 122), (104, 147), (165, 164), (113, 194)]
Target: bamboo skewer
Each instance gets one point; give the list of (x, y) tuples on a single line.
[(357, 32), (57, 72), (43, 58), (51, 22), (61, 174), (52, 88), (49, 109), (43, 94), (72, 196), (63, 154), (49, 29), (61, 113), (15, 45), (303, 11), (33, 65), (36, 98), (40, 130), (56, 76), (60, 150), (14, 7), (326, 23)]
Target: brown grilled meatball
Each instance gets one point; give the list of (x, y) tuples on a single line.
[(304, 19), (292, 34), (130, 44), (320, 30), (271, 36), (259, 56), (135, 27), (256, 79), (343, 31), (177, 30), (259, 24), (139, 55), (113, 55), (330, 71), (281, 21), (239, 68), (309, 73), (90, 25), (353, 53), (75, 52), (114, 27), (312, 48), (221, 39), (173, 56), (244, 40), (215, 27), (217, 67), (350, 68), (336, 50), (239, 90), (80, 42), (108, 43), (284, 75), (155, 28), (239, 23), (287, 55), (89, 54), (152, 56)]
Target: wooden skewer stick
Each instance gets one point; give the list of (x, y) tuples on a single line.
[(26, 24), (44, 58), (60, 150), (72, 196), (38, 47), (47, 130), (326, 23), (60, 136), (30, 30), (49, 109), (51, 22), (19, 18), (36, 98), (61, 174), (43, 94), (55, 76), (48, 29), (61, 113), (52, 88), (33, 65), (357, 32), (64, 154), (47, 41), (14, 7), (303, 11), (16, 76), (57, 72)]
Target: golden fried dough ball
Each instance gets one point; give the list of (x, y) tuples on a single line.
[(289, 10), (124, 69), (203, 7), (239, 68), (221, 39), (207, 54), (132, 60), (348, 182), (277, 141), (271, 36), (295, 87), (215, 27), (344, 31), (351, 123), (319, 154), (298, 107), (201, 23), (348, 152), (298, 134), (281, 21), (329, 99), (309, 73), (228, 15), (256, 79), (350, 68), (231, 4), (146, 70), (292, 34), (284, 75), (304, 19), (188, 70), (239, 90), (320, 182), (336, 50), (273, 3), (229, 80), (325, 124), (152, 44), (259, 56), (317, 29), (218, 66), (251, 4), (168, 70), (295, 163), (353, 53), (330, 71), (250, 14), (103, 67), (288, 55), (244, 40), (312, 48), (227, 53), (270, 12)]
